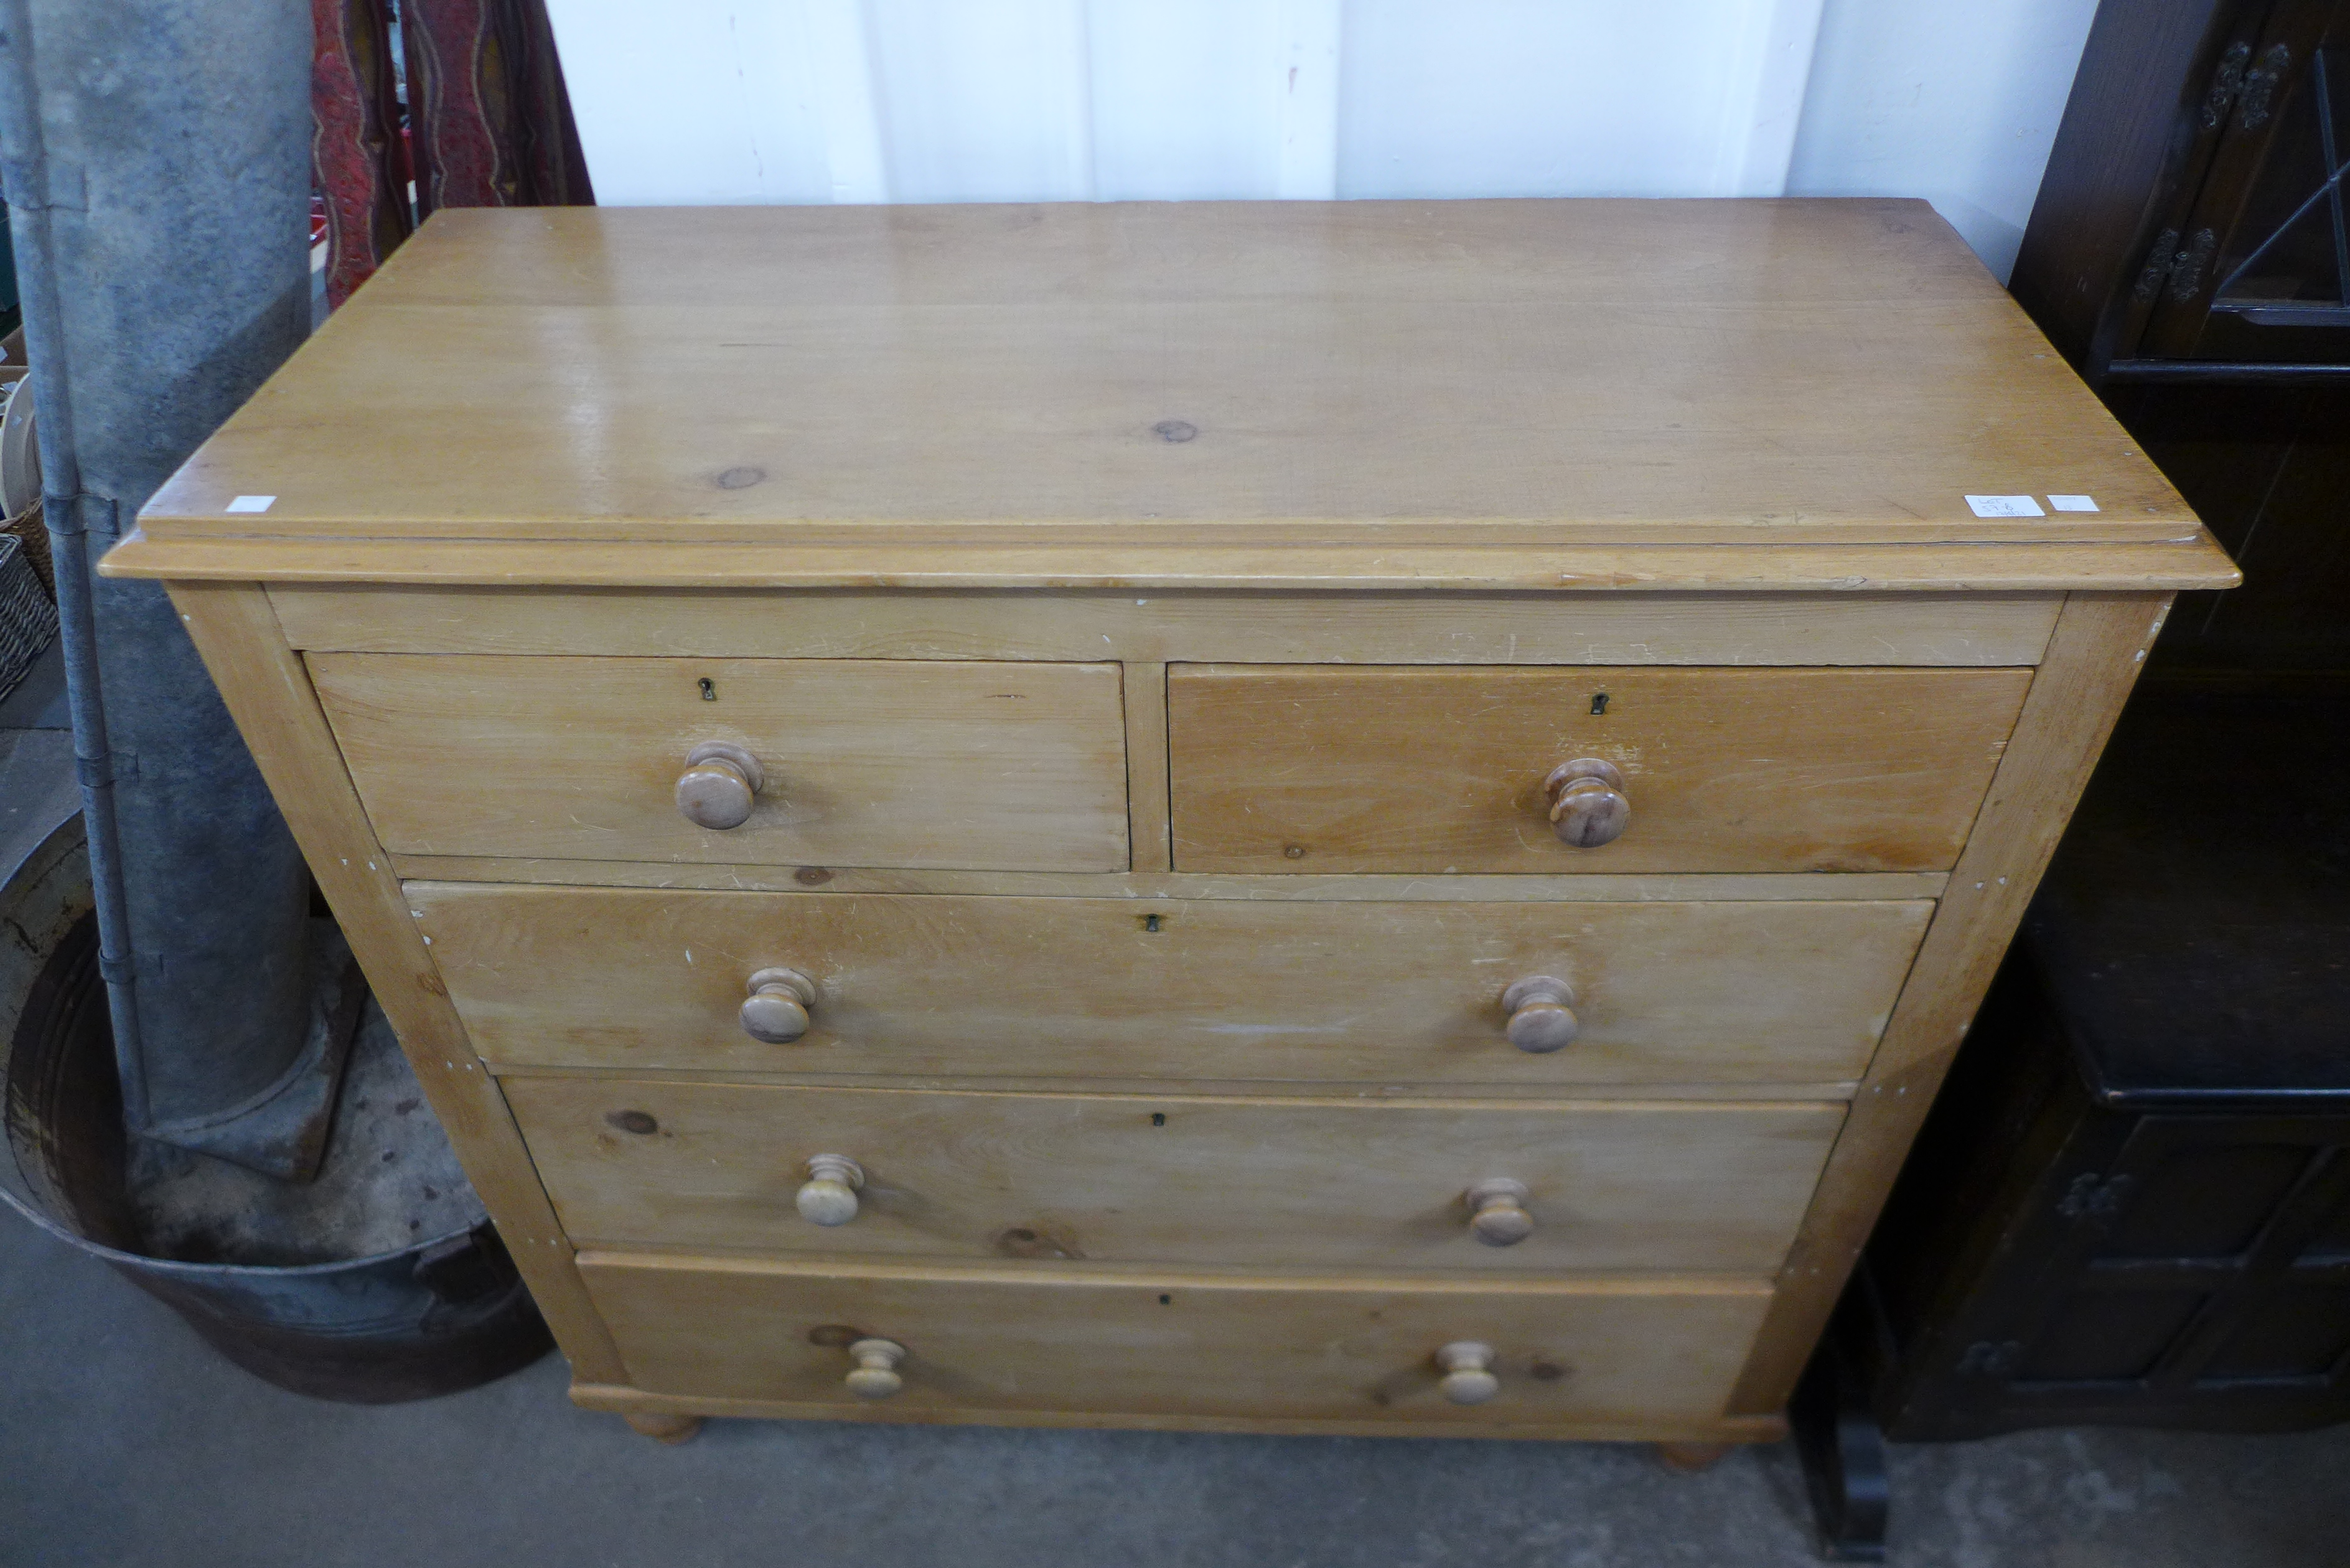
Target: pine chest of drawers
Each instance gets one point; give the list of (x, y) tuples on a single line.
[(1371, 817)]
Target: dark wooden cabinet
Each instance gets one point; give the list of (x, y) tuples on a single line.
[(2131, 1205), (2188, 254), (2192, 223)]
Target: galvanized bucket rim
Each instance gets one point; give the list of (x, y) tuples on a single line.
[(21, 1201), (42, 1217)]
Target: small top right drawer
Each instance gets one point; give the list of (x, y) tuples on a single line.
[(1450, 770)]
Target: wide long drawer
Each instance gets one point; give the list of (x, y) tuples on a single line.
[(1353, 1350), (991, 766), (1387, 769), (1277, 1184), (1204, 990)]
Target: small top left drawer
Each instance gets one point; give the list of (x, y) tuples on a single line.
[(916, 764)]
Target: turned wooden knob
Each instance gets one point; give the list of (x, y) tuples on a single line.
[(1588, 804), (720, 782), (1542, 1014), (1468, 1372), (776, 1010), (875, 1375), (1497, 1212), (829, 1195)]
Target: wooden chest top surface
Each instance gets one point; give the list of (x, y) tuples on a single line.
[(1738, 375)]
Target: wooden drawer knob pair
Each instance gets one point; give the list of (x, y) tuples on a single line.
[(1588, 806), (721, 782), (1541, 1010), (1497, 1208), (1468, 1370)]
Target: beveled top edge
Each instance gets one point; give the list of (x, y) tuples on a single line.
[(2191, 563)]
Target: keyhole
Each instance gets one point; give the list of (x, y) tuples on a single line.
[(1159, 1118), (710, 690), (1598, 700), (1150, 922)]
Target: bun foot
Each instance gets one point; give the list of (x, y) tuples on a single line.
[(1689, 1458), (669, 1430)]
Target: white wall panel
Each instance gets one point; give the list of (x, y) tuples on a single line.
[(1581, 98), (747, 132), (964, 101), (1183, 99), (1958, 104), (1214, 100), (983, 100)]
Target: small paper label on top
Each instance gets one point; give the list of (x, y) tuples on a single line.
[(2072, 503), (253, 504), (2005, 506)]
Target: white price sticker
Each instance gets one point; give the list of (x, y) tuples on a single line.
[(253, 504), (2005, 506), (2072, 503)]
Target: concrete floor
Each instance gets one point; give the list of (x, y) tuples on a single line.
[(123, 1440)]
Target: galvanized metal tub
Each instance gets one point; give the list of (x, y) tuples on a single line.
[(443, 1312)]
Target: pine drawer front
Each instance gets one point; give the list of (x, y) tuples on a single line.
[(1173, 991), (982, 1342), (989, 767), (1389, 769), (1271, 1184)]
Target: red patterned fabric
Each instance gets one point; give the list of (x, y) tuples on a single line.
[(489, 122), (495, 127), (355, 148)]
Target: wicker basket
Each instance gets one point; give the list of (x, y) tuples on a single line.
[(32, 531), (28, 621)]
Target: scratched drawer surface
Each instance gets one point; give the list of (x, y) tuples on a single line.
[(981, 765), (1121, 989), (1252, 1183), (1336, 1349), (1389, 769)]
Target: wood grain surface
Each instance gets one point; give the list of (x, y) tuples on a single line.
[(1017, 766), (1395, 769), (1256, 1183), (1407, 993), (1376, 371), (1339, 1348)]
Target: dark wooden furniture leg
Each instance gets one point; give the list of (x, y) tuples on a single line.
[(1842, 1449)]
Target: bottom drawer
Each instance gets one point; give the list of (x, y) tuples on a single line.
[(1190, 1347)]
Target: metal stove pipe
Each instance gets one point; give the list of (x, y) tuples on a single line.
[(156, 155)]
